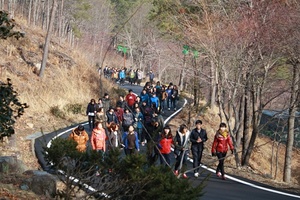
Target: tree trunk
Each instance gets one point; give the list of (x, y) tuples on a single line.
[(256, 116), (47, 40), (29, 12), (2, 4), (60, 20), (213, 90), (247, 119), (291, 123), (180, 84), (34, 11)]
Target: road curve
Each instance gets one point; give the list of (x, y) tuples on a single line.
[(234, 188)]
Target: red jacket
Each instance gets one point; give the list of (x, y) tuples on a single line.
[(221, 143), (130, 99), (165, 145)]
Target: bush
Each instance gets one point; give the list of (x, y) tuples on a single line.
[(59, 150), (10, 109), (129, 177), (57, 112), (6, 27), (75, 108)]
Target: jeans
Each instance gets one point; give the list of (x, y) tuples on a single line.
[(91, 121), (167, 158), (182, 156)]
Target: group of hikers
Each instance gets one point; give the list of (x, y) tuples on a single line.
[(119, 75), (136, 121)]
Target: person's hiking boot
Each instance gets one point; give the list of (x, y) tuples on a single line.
[(218, 174), (223, 177), (196, 174), (184, 176), (176, 172)]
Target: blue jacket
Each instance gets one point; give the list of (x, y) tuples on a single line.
[(144, 97), (169, 92), (125, 141), (154, 100), (139, 116), (122, 74)]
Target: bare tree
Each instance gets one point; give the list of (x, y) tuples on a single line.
[(48, 38), (295, 95)]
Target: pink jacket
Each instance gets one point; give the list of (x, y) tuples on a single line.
[(98, 139)]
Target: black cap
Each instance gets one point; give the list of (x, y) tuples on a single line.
[(198, 121), (130, 90)]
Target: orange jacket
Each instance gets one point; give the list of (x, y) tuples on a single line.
[(81, 137)]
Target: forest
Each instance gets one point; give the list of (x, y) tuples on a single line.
[(242, 57)]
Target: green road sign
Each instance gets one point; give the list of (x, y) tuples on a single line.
[(121, 48)]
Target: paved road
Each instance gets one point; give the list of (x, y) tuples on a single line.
[(234, 188)]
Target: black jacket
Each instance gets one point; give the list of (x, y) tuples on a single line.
[(195, 134), (91, 108)]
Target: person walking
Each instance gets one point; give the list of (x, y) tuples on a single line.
[(181, 142), (151, 77), (111, 116), (80, 136), (91, 112), (128, 119), (121, 103), (198, 137), (175, 96), (130, 99), (130, 140), (98, 139), (138, 123), (165, 143), (139, 76), (122, 77), (152, 136), (106, 102), (169, 91), (219, 148), (114, 136), (101, 117)]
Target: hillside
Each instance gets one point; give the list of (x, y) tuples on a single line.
[(68, 81)]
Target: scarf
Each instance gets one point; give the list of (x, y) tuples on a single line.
[(224, 133)]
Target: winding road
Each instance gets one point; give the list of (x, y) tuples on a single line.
[(234, 188)]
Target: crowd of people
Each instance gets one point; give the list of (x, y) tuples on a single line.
[(120, 75), (136, 121)]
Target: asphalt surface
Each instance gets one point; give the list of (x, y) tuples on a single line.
[(233, 188)]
